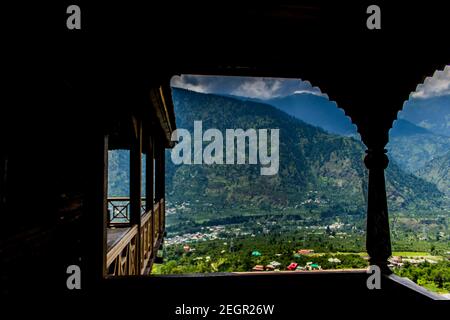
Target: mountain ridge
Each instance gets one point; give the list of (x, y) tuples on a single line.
[(310, 159), (437, 172)]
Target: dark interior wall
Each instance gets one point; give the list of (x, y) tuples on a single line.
[(53, 134), (43, 199), (64, 85)]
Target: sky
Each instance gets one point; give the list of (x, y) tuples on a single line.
[(250, 87), (267, 88), (437, 85)]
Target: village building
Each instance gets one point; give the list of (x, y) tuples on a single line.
[(258, 267)]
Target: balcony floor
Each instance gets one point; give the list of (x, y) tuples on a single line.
[(114, 235)]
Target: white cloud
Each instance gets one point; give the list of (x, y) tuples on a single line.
[(310, 92), (437, 85), (250, 87), (259, 88), (179, 82)]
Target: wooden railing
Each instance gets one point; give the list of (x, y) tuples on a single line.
[(122, 258), (156, 223), (146, 240), (119, 210), (159, 219)]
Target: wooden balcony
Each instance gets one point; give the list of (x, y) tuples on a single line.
[(119, 210), (131, 249)]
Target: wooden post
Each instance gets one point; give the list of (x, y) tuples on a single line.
[(378, 241), (160, 185), (96, 190), (163, 189), (149, 194), (135, 185), (3, 179)]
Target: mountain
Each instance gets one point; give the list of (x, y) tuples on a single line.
[(402, 128), (318, 170), (119, 173), (419, 135), (309, 157), (422, 132), (317, 111), (431, 113), (437, 171), (411, 144), (414, 149)]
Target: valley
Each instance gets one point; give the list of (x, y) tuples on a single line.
[(230, 218)]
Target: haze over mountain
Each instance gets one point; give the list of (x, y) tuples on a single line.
[(411, 145), (314, 164), (313, 109), (422, 132), (414, 150), (432, 113), (437, 171), (317, 111), (404, 128)]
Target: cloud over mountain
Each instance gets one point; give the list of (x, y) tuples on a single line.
[(250, 87), (437, 85)]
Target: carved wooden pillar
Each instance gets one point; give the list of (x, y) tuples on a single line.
[(378, 241)]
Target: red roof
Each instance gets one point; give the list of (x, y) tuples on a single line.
[(258, 267), (292, 266)]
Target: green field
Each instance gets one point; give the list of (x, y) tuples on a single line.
[(411, 253)]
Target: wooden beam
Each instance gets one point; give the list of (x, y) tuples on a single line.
[(162, 114)]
